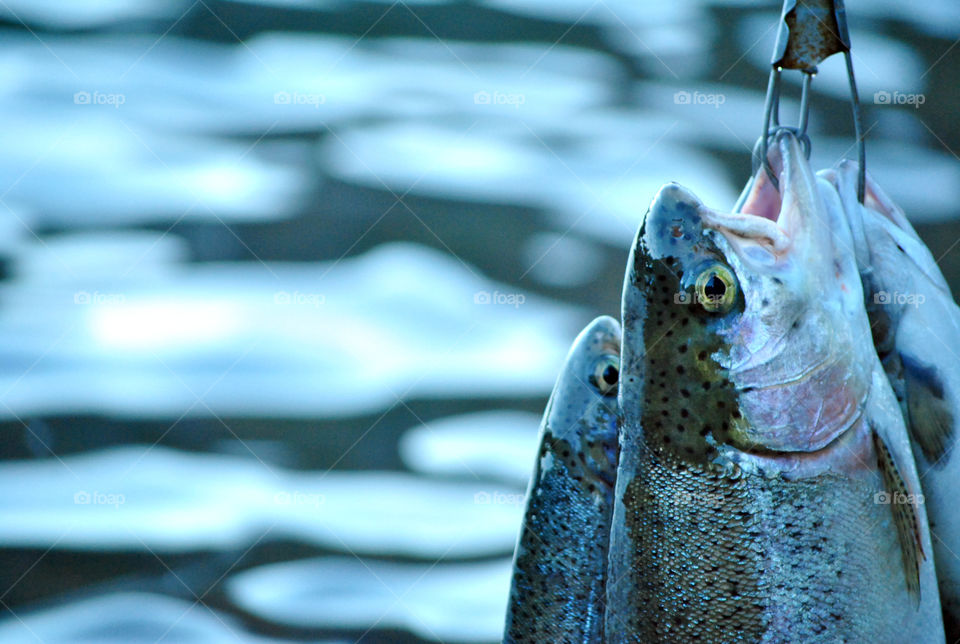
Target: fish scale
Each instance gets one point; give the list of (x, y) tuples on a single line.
[(748, 560), (550, 562)]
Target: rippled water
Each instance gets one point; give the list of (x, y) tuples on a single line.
[(286, 283)]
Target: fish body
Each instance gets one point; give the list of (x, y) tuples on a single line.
[(759, 439), (558, 587), (916, 331)]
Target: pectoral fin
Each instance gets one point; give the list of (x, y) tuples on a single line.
[(903, 504), (931, 420)]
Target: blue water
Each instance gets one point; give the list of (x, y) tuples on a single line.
[(285, 284)]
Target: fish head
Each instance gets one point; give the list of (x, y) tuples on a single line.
[(582, 414), (735, 327)]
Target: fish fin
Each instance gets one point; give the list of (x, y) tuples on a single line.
[(905, 516), (930, 417)]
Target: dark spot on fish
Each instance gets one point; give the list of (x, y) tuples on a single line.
[(682, 348), (706, 385), (684, 393), (702, 356), (680, 369)]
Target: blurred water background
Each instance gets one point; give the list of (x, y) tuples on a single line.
[(285, 284)]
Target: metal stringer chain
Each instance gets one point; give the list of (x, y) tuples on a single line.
[(810, 31)]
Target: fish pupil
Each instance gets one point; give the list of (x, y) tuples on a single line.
[(611, 375), (715, 288)]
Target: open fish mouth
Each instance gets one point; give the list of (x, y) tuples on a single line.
[(769, 222)]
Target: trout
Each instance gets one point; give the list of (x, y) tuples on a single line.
[(766, 491), (560, 562), (916, 332)]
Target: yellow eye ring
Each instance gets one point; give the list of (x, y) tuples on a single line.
[(716, 288), (606, 374)]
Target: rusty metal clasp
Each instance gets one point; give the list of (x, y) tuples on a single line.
[(810, 31)]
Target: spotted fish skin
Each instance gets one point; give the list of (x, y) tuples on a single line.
[(749, 503), (557, 592), (916, 332)]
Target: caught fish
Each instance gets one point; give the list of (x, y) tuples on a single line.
[(765, 491), (916, 331), (557, 594)]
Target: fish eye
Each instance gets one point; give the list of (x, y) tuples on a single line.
[(716, 288), (606, 374)]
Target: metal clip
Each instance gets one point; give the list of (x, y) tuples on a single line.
[(810, 31)]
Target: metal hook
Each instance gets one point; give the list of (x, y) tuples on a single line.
[(810, 31)]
